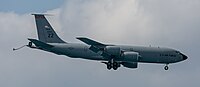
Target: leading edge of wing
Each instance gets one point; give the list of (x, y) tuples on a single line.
[(91, 42)]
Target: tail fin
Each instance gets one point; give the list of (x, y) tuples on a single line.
[(45, 31)]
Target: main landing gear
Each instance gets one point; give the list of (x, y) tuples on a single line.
[(112, 64), (166, 67)]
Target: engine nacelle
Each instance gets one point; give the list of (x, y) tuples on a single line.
[(113, 50), (130, 65), (130, 56)]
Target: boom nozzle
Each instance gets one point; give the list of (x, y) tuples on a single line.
[(19, 47)]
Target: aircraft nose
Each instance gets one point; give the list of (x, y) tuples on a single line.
[(184, 56)]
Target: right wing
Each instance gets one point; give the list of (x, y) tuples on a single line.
[(96, 46), (90, 41)]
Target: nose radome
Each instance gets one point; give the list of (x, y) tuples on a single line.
[(184, 56)]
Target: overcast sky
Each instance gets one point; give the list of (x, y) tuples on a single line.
[(171, 23)]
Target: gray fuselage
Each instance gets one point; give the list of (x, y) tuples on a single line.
[(147, 54)]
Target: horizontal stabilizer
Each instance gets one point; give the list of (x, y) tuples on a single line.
[(40, 43)]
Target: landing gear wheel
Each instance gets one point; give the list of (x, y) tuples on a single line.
[(109, 65), (112, 64), (118, 64), (115, 65), (166, 67)]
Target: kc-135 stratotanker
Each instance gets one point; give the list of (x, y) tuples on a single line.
[(112, 55)]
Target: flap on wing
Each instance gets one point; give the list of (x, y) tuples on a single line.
[(90, 41), (40, 43)]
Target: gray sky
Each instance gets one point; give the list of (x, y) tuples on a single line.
[(171, 23)]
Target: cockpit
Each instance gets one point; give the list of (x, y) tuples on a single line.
[(183, 55)]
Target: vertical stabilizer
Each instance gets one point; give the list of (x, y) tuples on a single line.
[(45, 31)]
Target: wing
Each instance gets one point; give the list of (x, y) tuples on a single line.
[(90, 41), (96, 46)]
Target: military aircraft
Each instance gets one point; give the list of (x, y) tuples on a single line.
[(112, 55)]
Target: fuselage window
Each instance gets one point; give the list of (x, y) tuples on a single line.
[(170, 55)]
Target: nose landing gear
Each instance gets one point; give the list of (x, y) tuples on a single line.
[(166, 67)]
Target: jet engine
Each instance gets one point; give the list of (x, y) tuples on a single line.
[(130, 56), (130, 65)]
